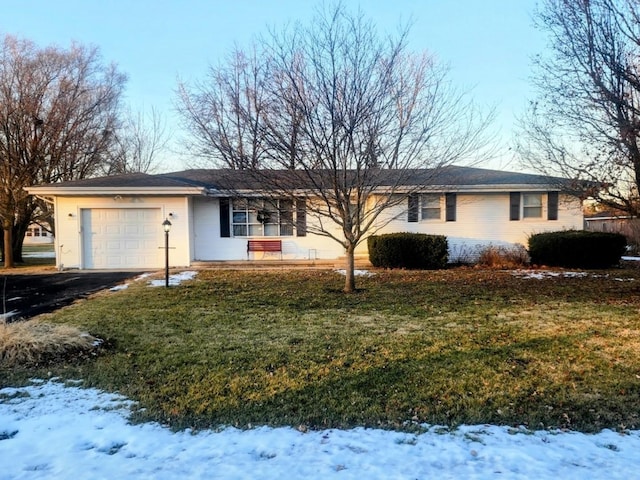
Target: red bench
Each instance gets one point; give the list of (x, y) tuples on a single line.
[(264, 246)]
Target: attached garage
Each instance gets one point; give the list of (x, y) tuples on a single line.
[(121, 238)]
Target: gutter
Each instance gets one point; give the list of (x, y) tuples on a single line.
[(99, 191)]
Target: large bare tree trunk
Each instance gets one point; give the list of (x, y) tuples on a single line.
[(8, 245), (350, 279)]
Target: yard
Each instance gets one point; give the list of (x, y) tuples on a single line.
[(450, 347)]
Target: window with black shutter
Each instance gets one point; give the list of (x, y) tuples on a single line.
[(225, 230), (301, 218), (514, 206), (552, 207), (414, 208), (450, 206)]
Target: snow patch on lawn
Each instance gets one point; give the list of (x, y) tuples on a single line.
[(544, 274), (174, 280), (48, 431), (117, 288), (39, 254), (357, 273)]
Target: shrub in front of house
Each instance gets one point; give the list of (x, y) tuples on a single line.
[(408, 250), (577, 249)]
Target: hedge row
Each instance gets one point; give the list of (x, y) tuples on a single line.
[(570, 249), (577, 249), (408, 250)]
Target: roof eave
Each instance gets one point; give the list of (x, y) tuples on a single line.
[(60, 191), (516, 187)]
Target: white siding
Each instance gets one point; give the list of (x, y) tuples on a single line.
[(483, 219), (210, 246), (69, 240)]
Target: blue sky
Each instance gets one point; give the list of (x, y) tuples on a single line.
[(488, 44)]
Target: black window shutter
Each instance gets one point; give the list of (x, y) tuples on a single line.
[(450, 203), (301, 218), (514, 206), (552, 207), (225, 230), (414, 208)]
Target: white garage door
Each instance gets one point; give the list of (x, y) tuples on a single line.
[(121, 238)]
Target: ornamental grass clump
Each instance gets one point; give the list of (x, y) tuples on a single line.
[(36, 343), (500, 256)]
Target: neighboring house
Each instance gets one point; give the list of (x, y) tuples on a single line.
[(37, 235), (607, 221), (115, 222), (614, 222)]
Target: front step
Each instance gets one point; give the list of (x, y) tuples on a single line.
[(337, 263)]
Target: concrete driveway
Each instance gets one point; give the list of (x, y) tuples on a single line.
[(23, 296)]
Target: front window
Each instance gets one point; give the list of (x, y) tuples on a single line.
[(532, 205), (262, 218), (430, 207)]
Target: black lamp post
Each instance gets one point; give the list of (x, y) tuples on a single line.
[(166, 225)]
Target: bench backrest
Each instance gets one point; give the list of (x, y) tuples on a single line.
[(264, 245)]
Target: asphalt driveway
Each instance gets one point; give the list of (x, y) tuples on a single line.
[(24, 296)]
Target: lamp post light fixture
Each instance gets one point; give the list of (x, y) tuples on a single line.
[(166, 225)]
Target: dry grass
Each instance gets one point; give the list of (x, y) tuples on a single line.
[(503, 257), (287, 347), (36, 343)]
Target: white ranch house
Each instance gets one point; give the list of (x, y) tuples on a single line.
[(116, 222), (37, 235)]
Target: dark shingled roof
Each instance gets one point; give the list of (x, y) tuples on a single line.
[(226, 179), (129, 180)]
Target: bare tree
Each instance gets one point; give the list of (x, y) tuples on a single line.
[(222, 114), (58, 109), (350, 116), (585, 122), (138, 143)]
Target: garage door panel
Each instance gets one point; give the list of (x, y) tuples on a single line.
[(113, 246), (133, 230), (112, 229), (121, 238), (133, 244)]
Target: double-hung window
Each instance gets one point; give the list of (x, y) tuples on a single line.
[(531, 205), (430, 207)]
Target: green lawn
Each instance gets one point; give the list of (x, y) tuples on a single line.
[(444, 347)]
